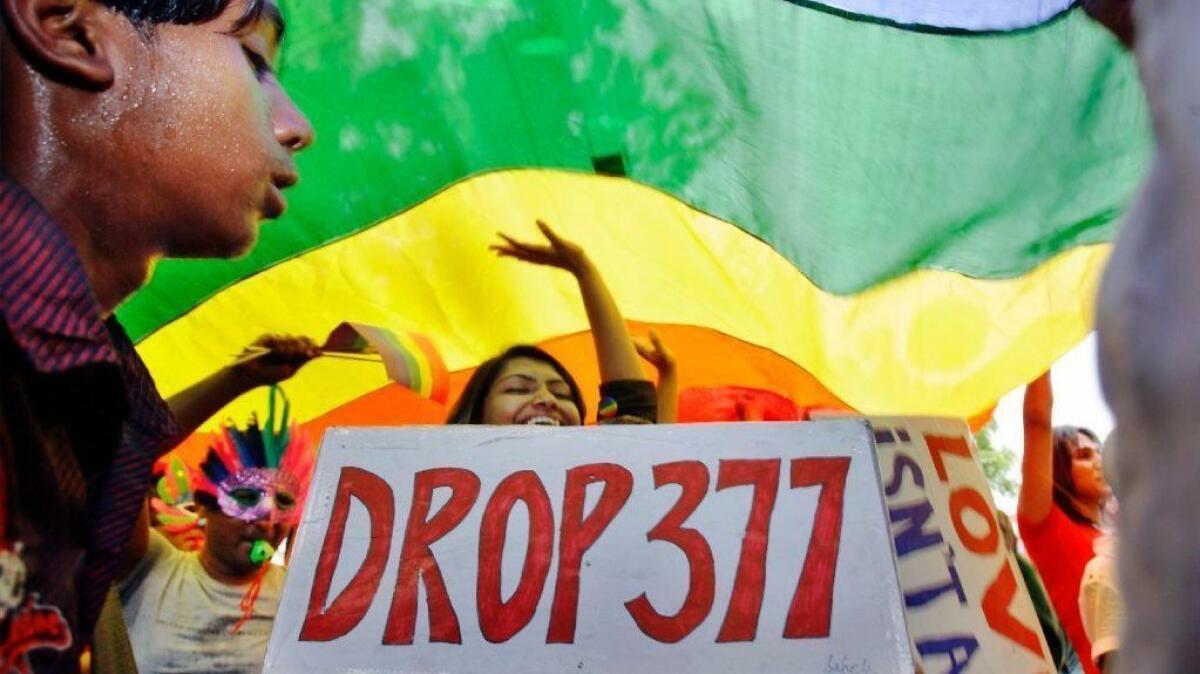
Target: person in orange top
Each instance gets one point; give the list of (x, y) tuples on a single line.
[(1058, 510)]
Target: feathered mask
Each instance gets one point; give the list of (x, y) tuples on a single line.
[(260, 473)]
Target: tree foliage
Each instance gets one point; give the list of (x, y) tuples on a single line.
[(998, 461)]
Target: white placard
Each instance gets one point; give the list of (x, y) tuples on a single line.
[(966, 603), (841, 613)]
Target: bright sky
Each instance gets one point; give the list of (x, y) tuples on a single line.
[(1077, 401)]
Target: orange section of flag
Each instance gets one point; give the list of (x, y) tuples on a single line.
[(751, 367)]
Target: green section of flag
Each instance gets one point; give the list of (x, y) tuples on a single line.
[(859, 151)]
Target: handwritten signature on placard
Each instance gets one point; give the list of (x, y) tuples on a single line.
[(845, 665)]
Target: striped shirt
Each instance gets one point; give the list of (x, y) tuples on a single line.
[(81, 424)]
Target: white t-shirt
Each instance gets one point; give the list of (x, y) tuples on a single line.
[(179, 618), (1100, 604)]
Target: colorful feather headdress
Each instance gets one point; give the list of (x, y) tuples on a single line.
[(273, 460)]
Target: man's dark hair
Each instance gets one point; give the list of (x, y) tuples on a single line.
[(148, 13)]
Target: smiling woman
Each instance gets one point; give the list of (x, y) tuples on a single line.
[(523, 385), (526, 385)]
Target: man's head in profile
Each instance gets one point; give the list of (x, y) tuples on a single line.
[(148, 128)]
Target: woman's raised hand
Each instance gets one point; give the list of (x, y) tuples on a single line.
[(558, 252)]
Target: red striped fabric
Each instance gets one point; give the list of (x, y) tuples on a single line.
[(44, 294), (54, 319)]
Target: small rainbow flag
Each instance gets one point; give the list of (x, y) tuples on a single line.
[(410, 358)]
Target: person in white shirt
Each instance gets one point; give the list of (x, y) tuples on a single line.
[(1100, 604), (212, 610)]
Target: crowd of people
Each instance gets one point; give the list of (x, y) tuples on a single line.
[(135, 130), (200, 593)]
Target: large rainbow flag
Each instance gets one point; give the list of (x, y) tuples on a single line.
[(899, 206)]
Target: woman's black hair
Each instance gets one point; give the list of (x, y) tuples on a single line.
[(1065, 491), (469, 408)]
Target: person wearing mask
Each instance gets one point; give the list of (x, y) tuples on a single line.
[(212, 610)]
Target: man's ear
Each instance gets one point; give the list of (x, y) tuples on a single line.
[(67, 40)]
